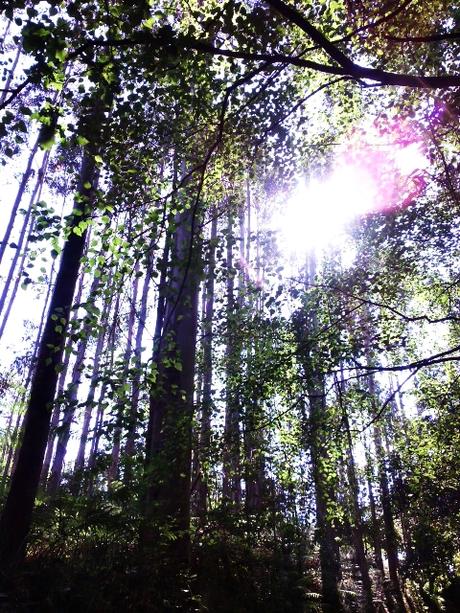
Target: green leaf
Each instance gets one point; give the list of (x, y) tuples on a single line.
[(81, 140)]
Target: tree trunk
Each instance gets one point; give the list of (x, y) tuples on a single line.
[(391, 539), (316, 432), (34, 198), (204, 443), (168, 457), (11, 448), (376, 540), (17, 201), (9, 79), (358, 532), (32, 366), (16, 516), (108, 370), (136, 385), (70, 402), (123, 397), (60, 389), (89, 403), (231, 486)]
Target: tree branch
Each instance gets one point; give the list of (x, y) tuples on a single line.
[(431, 38), (355, 70)]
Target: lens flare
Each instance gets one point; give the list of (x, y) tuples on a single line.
[(379, 170)]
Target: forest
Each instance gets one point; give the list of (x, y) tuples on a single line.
[(230, 306)]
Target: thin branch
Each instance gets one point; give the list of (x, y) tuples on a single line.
[(430, 38), (15, 92), (389, 398), (437, 358), (301, 102), (374, 24)]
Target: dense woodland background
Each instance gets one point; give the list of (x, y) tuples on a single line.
[(190, 419)]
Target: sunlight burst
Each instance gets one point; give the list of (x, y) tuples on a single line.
[(317, 214)]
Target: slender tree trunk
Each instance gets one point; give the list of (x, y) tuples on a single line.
[(11, 447), (89, 404), (93, 454), (107, 371), (5, 34), (330, 564), (16, 516), (34, 197), (97, 428), (357, 529), (7, 433), (18, 279), (204, 444), (391, 539), (10, 437), (231, 486), (60, 389), (376, 540), (31, 369), (248, 225), (70, 402), (397, 428), (80, 459), (123, 398), (11, 72), (255, 462), (17, 201), (136, 386)]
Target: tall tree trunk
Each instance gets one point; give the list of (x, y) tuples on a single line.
[(231, 486), (168, 457), (9, 79), (60, 390), (357, 528), (7, 432), (396, 428), (376, 539), (71, 401), (31, 369), (16, 286), (98, 431), (17, 201), (123, 397), (107, 371), (391, 539), (89, 403), (204, 444), (136, 385), (11, 448), (16, 516), (34, 198), (316, 432)]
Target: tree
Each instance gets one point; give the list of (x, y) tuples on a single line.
[(14, 525), (282, 447)]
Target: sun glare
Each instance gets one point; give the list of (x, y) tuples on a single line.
[(316, 214)]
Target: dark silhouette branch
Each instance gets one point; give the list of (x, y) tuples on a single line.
[(355, 70), (437, 358), (387, 401)]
